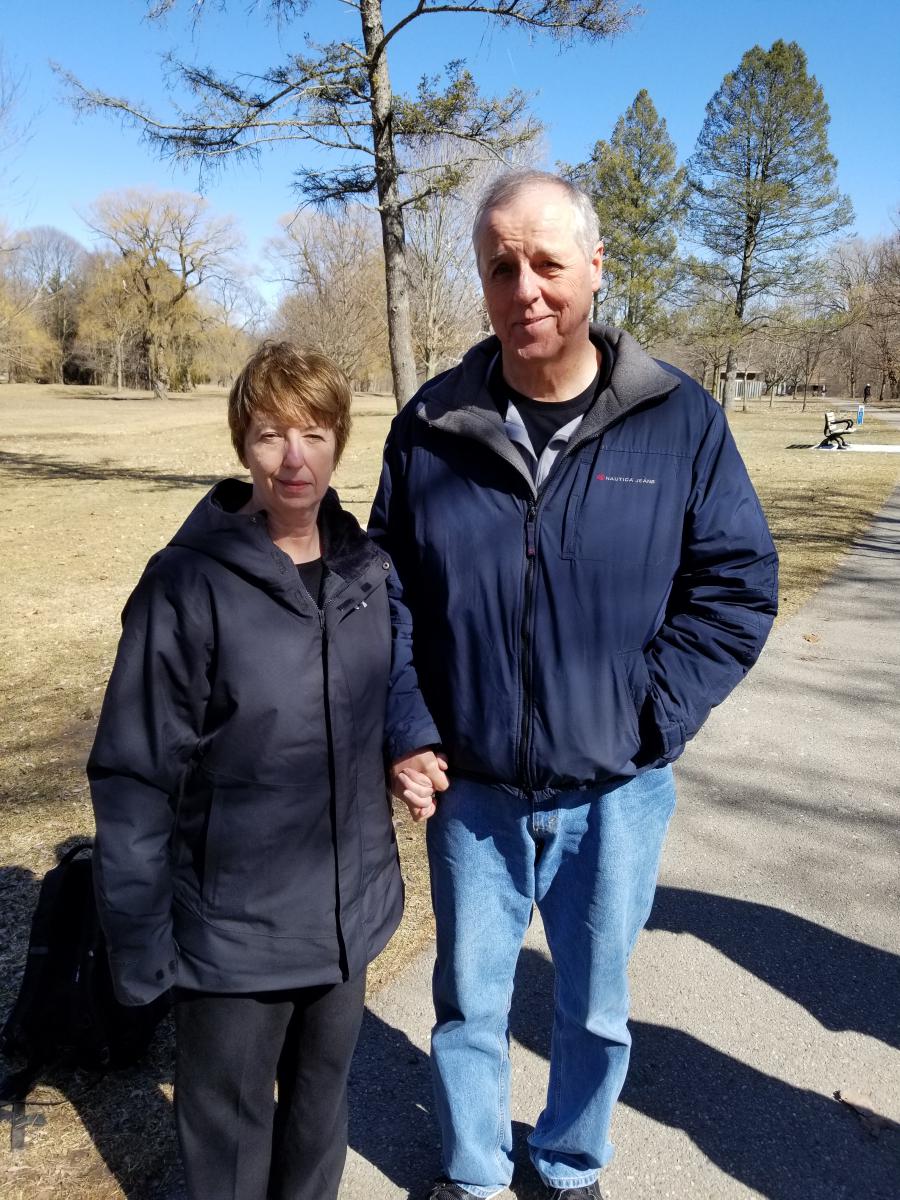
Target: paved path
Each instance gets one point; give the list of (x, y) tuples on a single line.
[(769, 977)]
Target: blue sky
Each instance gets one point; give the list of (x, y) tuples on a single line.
[(679, 50)]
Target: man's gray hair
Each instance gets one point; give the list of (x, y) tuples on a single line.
[(507, 187)]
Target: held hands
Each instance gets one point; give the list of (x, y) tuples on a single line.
[(416, 777)]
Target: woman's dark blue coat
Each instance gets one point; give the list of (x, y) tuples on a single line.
[(244, 833)]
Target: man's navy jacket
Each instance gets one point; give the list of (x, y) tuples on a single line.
[(575, 634)]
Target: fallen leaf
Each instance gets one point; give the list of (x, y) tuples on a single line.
[(873, 1122)]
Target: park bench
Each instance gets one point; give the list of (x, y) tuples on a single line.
[(835, 429)]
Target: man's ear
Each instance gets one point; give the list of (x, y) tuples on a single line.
[(597, 267)]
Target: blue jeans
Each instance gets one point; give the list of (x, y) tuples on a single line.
[(589, 860)]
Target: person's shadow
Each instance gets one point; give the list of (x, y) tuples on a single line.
[(784, 1142), (843, 983), (125, 1113)]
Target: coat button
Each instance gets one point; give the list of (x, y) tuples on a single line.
[(386, 565)]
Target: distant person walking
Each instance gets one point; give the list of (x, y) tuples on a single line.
[(867, 392)]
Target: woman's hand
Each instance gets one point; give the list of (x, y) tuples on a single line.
[(416, 777)]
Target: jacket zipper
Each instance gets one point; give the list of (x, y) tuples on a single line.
[(526, 672), (332, 784), (526, 665)]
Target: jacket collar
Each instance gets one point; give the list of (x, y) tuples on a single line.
[(217, 529), (460, 402)]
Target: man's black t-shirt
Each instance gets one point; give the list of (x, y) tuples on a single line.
[(542, 418)]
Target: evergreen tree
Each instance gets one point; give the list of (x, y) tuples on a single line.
[(764, 182), (640, 195)]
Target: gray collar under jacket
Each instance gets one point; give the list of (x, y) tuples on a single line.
[(636, 378)]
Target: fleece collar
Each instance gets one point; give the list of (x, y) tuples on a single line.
[(461, 403)]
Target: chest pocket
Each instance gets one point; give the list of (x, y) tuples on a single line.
[(627, 506)]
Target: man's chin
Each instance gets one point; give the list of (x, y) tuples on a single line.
[(532, 350)]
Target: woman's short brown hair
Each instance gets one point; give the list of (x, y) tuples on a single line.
[(292, 386)]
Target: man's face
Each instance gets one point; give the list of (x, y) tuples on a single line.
[(538, 281)]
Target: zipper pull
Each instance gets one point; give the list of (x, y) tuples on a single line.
[(530, 530)]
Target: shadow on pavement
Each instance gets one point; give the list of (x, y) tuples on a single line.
[(785, 1142), (843, 983), (392, 1122)]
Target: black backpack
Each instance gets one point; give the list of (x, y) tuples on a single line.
[(66, 1011)]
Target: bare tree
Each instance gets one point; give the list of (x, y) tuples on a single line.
[(849, 276), (883, 318), (332, 269), (234, 315), (340, 96), (52, 263), (25, 348), (169, 245), (448, 312), (14, 130), (110, 322)]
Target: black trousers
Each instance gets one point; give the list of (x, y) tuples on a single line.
[(230, 1050)]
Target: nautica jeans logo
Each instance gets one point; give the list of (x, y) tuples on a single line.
[(622, 479)]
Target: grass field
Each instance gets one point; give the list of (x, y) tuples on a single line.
[(91, 486)]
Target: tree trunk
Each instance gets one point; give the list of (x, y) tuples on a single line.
[(730, 379), (159, 382), (403, 363)]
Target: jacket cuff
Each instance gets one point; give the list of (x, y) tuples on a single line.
[(406, 738), (140, 980)]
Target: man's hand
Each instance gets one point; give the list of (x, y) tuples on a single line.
[(416, 777)]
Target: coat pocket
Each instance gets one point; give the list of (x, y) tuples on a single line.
[(269, 858), (627, 507), (634, 686)]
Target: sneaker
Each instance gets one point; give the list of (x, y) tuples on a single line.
[(446, 1189), (590, 1191)]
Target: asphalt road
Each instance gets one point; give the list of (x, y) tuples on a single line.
[(769, 975)]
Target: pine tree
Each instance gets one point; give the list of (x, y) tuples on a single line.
[(640, 195), (764, 183)]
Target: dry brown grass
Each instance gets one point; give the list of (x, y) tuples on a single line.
[(91, 486)]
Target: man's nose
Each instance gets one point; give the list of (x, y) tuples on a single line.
[(527, 289)]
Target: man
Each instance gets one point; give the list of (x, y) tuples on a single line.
[(588, 572)]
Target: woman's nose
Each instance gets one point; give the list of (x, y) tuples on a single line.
[(293, 450)]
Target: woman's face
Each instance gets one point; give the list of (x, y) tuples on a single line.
[(291, 467)]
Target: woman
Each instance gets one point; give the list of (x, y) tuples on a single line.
[(245, 852)]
